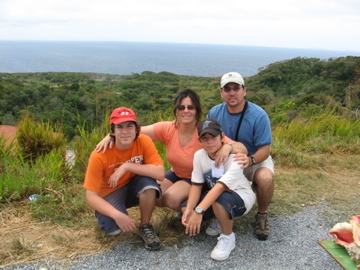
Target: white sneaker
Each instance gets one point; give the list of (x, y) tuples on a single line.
[(225, 244), (115, 232), (214, 228)]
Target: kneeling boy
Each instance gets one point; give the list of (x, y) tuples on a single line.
[(125, 176)]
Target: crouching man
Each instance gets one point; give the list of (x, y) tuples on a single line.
[(125, 176)]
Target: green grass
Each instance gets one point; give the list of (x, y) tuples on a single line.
[(316, 162), (47, 174), (323, 134)]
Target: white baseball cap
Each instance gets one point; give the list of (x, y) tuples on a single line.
[(232, 77)]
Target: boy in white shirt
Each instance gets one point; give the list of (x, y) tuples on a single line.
[(228, 195)]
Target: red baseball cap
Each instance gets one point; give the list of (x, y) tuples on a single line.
[(122, 114)]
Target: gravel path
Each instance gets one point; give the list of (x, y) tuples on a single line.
[(292, 245)]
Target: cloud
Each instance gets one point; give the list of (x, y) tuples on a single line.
[(330, 24)]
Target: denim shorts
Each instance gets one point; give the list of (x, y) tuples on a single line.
[(170, 175), (126, 197), (231, 201)]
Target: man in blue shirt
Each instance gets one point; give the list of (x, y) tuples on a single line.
[(246, 122)]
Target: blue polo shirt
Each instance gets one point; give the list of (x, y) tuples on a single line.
[(255, 130)]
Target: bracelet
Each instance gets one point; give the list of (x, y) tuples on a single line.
[(232, 147)]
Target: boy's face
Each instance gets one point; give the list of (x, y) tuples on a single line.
[(210, 143), (125, 133)]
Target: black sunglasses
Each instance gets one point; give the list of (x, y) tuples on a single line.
[(183, 107), (228, 89)]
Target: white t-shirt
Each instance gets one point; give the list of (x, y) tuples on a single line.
[(232, 177)]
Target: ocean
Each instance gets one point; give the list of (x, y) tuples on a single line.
[(125, 58)]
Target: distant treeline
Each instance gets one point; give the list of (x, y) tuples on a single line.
[(287, 89)]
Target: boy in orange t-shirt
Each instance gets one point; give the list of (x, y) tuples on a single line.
[(125, 176)]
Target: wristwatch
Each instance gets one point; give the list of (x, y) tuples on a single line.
[(253, 159), (199, 210)]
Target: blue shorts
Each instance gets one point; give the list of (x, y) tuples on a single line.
[(231, 201), (170, 175), (126, 197)]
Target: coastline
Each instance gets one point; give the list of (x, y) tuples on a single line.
[(126, 58)]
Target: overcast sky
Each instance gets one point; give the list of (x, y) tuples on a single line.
[(320, 24)]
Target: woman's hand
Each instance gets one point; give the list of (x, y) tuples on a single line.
[(105, 143), (222, 154)]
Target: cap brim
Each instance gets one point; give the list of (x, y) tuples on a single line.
[(231, 81), (210, 131), (122, 121)]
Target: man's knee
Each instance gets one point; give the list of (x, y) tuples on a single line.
[(263, 177)]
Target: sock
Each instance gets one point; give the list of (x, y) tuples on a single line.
[(232, 235)]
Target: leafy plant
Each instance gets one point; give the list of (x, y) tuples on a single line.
[(36, 139)]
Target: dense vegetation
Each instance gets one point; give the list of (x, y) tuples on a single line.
[(285, 89), (320, 98)]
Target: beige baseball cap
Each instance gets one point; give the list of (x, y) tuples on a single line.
[(232, 77)]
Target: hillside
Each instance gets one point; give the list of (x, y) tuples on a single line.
[(285, 89)]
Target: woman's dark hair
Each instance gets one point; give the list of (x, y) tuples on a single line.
[(137, 129), (194, 99)]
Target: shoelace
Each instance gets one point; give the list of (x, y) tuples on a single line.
[(215, 225), (147, 230), (262, 223), (223, 243)]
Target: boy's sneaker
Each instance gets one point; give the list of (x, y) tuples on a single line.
[(225, 244), (214, 228), (114, 233), (149, 236), (261, 226)]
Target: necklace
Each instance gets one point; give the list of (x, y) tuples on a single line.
[(185, 140), (185, 134), (183, 137)]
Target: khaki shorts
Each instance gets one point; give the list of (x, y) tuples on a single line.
[(267, 163)]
